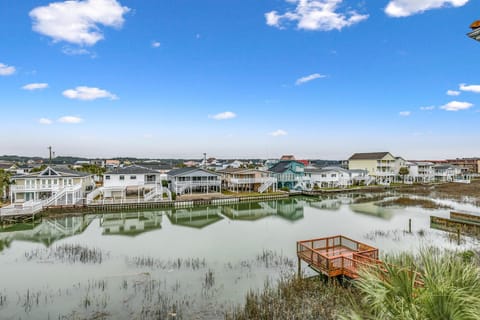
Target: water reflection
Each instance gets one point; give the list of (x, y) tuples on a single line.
[(195, 217), (46, 232), (130, 223), (136, 223), (369, 208)]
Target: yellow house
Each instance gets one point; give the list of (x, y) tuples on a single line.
[(381, 165)]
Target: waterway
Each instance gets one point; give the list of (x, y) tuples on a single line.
[(192, 263)]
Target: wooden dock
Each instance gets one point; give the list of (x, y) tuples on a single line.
[(459, 222), (341, 256), (336, 256)]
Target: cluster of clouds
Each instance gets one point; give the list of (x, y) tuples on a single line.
[(452, 105), (326, 15)]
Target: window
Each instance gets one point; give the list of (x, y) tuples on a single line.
[(324, 175), (107, 177), (133, 177), (122, 177)]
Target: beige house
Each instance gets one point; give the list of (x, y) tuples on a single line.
[(383, 166), (248, 180)]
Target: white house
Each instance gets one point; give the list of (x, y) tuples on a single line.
[(134, 179), (446, 172), (30, 193), (381, 165), (329, 177)]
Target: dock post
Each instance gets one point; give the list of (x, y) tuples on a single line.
[(458, 236), (410, 225), (299, 271)]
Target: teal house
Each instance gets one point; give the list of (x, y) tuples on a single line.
[(289, 174)]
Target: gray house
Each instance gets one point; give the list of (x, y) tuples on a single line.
[(194, 180)]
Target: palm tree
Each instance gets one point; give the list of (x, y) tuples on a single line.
[(451, 288)]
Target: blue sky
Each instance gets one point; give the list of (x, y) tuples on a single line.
[(250, 78)]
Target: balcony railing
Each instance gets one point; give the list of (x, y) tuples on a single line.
[(250, 180)]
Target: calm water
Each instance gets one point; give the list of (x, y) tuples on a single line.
[(195, 262)]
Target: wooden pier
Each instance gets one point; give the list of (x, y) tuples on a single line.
[(336, 256), (341, 256)]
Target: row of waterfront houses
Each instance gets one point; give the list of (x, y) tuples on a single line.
[(57, 185)]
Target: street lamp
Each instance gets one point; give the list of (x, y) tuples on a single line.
[(475, 33)]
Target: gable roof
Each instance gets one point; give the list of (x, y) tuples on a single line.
[(283, 166), (369, 156), (54, 171), (184, 171), (133, 169)]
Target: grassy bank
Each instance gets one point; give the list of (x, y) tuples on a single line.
[(449, 289)]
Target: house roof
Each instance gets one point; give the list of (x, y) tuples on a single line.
[(54, 171), (239, 170), (184, 171), (326, 169), (369, 156), (133, 169), (282, 166), (288, 157)]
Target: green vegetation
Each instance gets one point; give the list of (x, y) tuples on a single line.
[(39, 169), (433, 285), (4, 182), (451, 288), (295, 298), (92, 169), (249, 194)]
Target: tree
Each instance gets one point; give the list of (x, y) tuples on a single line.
[(404, 171), (4, 182)]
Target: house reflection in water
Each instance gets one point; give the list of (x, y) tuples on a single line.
[(46, 232), (195, 217), (331, 202), (130, 223), (290, 209), (371, 209)]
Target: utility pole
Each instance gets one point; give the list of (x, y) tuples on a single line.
[(50, 155)]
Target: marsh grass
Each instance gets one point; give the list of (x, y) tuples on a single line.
[(413, 202), (175, 264), (295, 298), (67, 253)]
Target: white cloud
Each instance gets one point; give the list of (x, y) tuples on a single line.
[(453, 92), (88, 93), (470, 88), (70, 119), (319, 15), (278, 133), (77, 21), (427, 108), (75, 51), (6, 70), (405, 8), (456, 106), (35, 86), (405, 113), (308, 78), (45, 121), (156, 44), (223, 116)]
